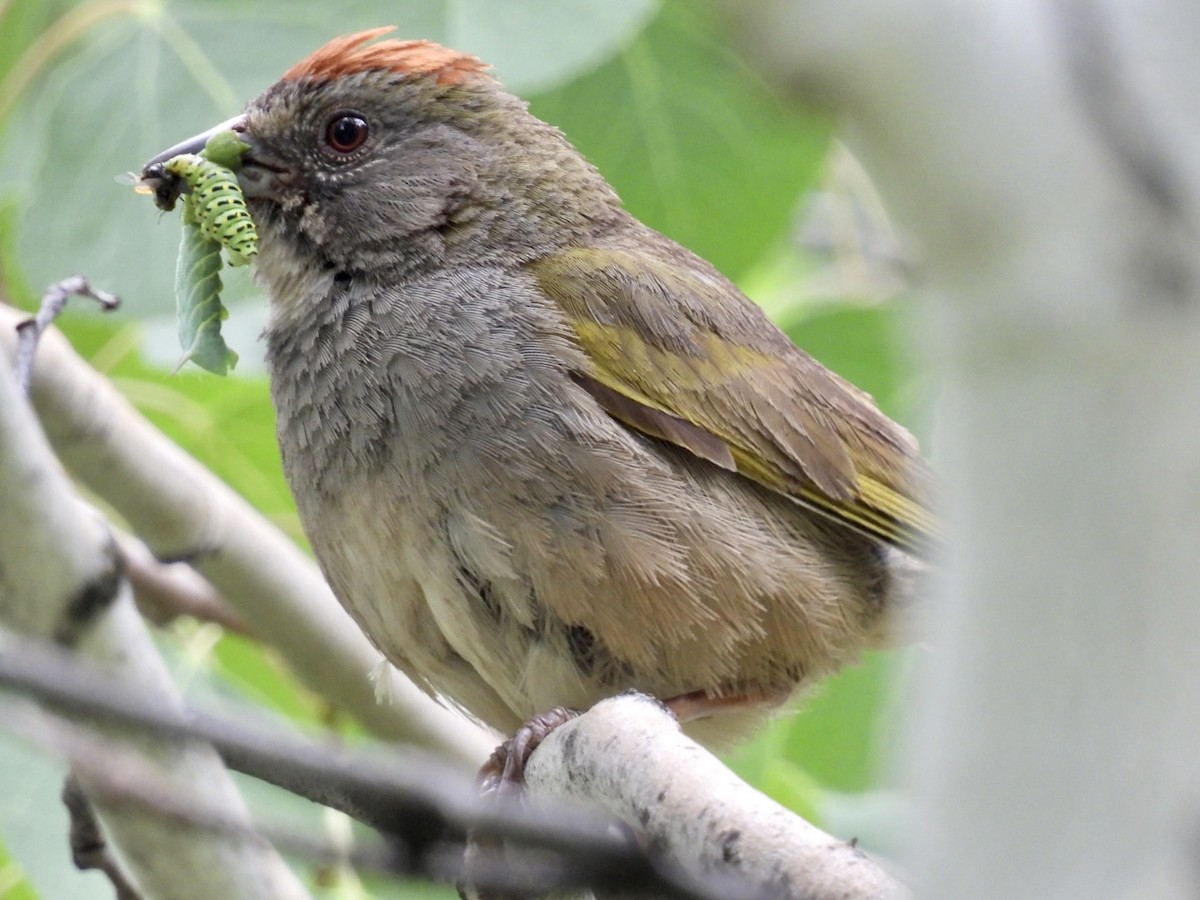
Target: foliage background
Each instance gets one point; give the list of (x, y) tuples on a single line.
[(693, 142)]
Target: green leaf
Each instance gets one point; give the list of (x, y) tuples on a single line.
[(835, 737), (693, 143), (21, 21), (13, 883), (381, 888), (536, 44), (764, 764)]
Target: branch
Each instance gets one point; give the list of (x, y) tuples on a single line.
[(89, 849), (121, 776), (628, 757), (62, 579), (165, 591), (182, 511), (409, 795)]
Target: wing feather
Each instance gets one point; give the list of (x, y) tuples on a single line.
[(677, 352)]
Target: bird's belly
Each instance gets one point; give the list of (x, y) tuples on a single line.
[(390, 564), (511, 660), (507, 597)]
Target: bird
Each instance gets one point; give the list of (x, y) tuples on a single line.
[(543, 453)]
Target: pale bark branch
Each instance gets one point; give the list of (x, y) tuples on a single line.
[(628, 757), (60, 578), (119, 775), (182, 511)]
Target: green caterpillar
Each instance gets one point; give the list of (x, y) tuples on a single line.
[(214, 216), (216, 204), (215, 199)]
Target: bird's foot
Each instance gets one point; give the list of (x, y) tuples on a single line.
[(502, 778), (504, 772)]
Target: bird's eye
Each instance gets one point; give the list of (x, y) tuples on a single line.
[(346, 132)]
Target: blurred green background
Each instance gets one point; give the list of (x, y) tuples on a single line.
[(696, 145)]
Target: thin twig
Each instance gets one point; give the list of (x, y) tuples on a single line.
[(120, 775), (54, 300), (89, 849), (166, 591)]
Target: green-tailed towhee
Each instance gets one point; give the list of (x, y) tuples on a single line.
[(543, 453)]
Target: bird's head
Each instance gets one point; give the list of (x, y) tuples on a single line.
[(393, 157)]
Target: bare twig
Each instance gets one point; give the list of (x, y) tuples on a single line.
[(54, 301), (119, 774), (89, 849), (165, 591), (122, 776)]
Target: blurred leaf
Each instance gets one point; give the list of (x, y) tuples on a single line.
[(833, 737), (378, 888), (693, 143), (13, 286), (260, 676), (21, 23), (535, 44), (13, 883), (861, 344), (763, 764)]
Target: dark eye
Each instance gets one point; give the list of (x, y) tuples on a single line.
[(346, 132)]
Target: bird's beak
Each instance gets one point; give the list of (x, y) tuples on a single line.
[(258, 176), (196, 144)]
